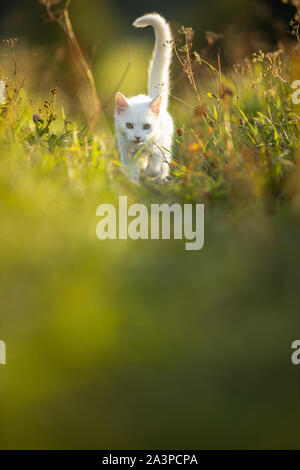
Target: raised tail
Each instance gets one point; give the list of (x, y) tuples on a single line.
[(160, 63)]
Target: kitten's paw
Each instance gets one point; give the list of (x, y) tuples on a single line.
[(152, 172), (164, 179)]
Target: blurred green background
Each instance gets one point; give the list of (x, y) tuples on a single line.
[(127, 344)]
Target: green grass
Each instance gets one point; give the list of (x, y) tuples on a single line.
[(140, 344)]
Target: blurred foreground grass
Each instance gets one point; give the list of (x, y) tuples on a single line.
[(140, 344)]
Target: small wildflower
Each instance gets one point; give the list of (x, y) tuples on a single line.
[(195, 56), (212, 95), (11, 42), (189, 34), (258, 57), (195, 146)]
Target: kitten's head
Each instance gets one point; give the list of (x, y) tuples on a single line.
[(137, 117)]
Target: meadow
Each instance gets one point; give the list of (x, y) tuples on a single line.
[(141, 344)]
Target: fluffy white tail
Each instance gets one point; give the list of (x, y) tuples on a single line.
[(160, 63)]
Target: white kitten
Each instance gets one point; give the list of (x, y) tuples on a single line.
[(144, 127)]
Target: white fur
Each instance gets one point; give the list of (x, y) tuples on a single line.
[(152, 153)]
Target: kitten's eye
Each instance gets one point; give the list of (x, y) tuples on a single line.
[(147, 126), (129, 125)]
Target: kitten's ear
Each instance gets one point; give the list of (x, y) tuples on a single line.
[(155, 105), (121, 102)]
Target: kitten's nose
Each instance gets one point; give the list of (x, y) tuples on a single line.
[(137, 138)]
